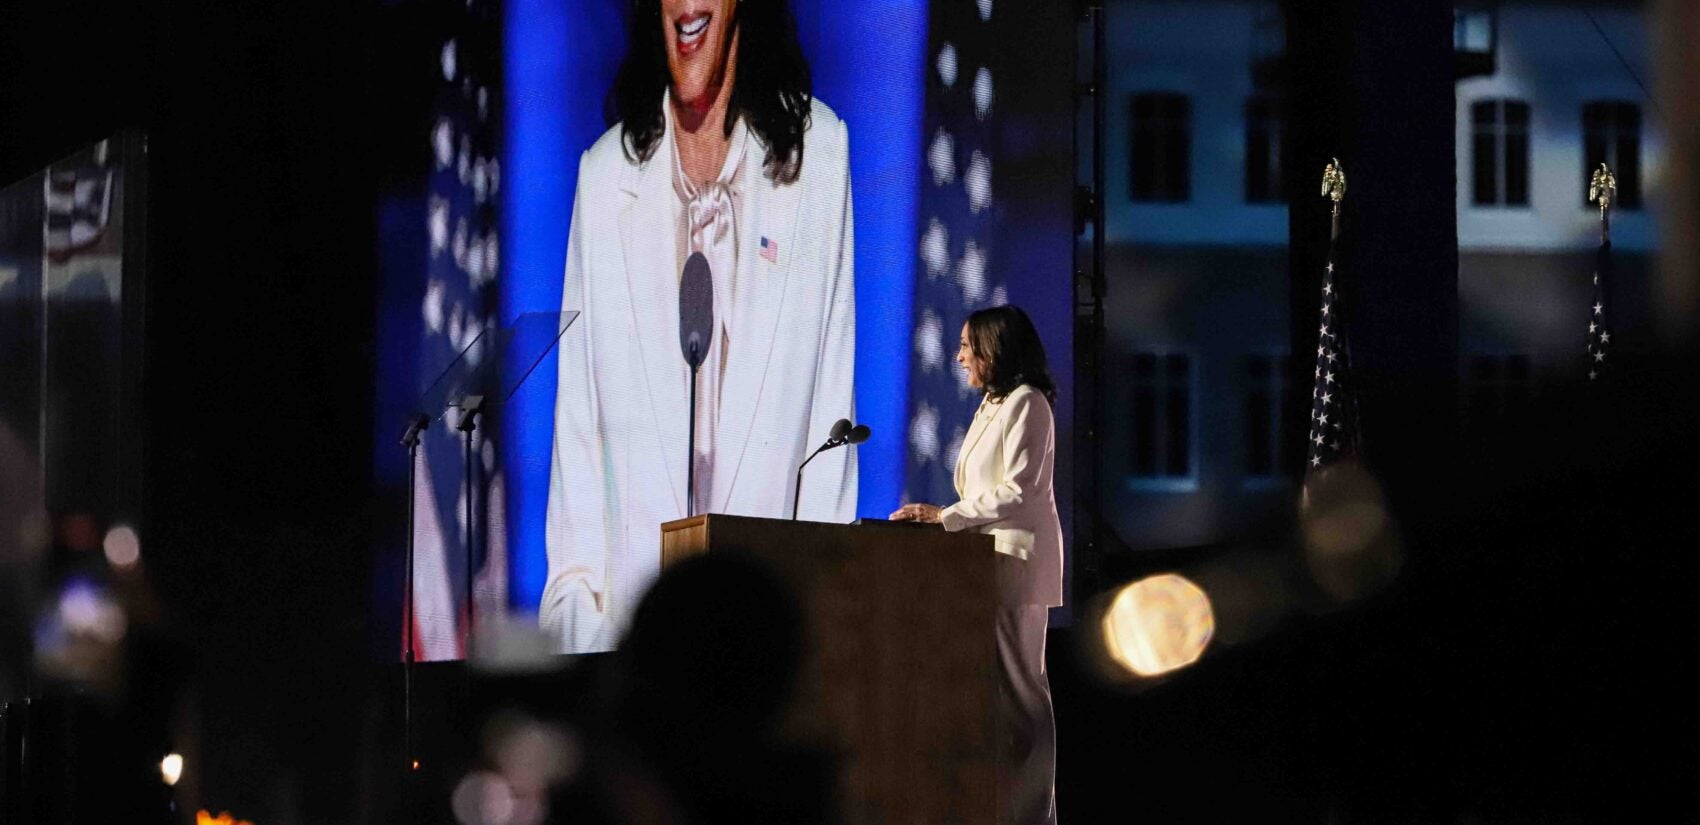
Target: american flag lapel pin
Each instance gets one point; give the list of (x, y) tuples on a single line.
[(769, 250)]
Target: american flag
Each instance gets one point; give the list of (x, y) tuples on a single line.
[(1333, 409), (1601, 190), (459, 301), (769, 250), (1599, 337)]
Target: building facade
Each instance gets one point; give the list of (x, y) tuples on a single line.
[(1197, 232)]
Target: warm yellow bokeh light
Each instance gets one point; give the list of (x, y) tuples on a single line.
[(223, 818), (1158, 624), (171, 768)]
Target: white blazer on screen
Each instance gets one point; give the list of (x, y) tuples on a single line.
[(618, 464), (1004, 475)]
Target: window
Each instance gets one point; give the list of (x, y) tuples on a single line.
[(1162, 416), (1496, 387), (1263, 151), (1161, 150), (1267, 451), (1611, 134), (1499, 149)]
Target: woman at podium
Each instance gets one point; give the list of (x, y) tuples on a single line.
[(1004, 478)]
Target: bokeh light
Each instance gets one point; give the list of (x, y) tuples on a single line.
[(531, 757), (86, 610), (171, 768), (123, 548), (1158, 624), (510, 644), (483, 798), (1351, 544)]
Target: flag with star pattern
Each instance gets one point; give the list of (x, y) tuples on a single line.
[(1333, 410), (1599, 334)]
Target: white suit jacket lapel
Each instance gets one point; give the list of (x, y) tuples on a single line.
[(770, 211), (648, 238), (982, 422)]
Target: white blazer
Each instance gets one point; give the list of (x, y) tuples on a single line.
[(618, 466), (1004, 475)]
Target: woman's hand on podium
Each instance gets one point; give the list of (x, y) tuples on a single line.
[(928, 513)]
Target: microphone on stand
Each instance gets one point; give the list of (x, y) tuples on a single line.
[(696, 330), (842, 433)]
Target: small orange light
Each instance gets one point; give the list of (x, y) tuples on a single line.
[(202, 817), (416, 764)]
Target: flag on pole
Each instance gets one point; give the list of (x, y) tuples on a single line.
[(1600, 191), (1333, 412)]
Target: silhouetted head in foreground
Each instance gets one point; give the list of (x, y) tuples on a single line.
[(716, 642)]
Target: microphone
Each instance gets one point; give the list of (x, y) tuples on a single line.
[(415, 425), (842, 433), (696, 331), (696, 309)]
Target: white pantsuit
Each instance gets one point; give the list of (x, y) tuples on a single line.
[(783, 371), (1004, 475)]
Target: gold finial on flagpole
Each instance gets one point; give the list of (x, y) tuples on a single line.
[(1334, 183), (1601, 190)]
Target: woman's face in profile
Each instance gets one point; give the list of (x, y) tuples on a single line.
[(969, 361), (699, 35)]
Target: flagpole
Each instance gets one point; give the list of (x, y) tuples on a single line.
[(1328, 400), (1334, 188), (1602, 189)]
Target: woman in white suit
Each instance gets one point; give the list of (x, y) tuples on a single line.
[(1004, 477), (721, 150)]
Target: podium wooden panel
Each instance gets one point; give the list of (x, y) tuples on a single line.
[(900, 677)]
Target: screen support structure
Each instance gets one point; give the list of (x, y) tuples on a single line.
[(483, 376), (1091, 110), (470, 407), (410, 439)]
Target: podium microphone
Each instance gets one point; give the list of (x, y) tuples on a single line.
[(842, 433)]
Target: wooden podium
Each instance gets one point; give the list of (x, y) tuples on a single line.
[(900, 674)]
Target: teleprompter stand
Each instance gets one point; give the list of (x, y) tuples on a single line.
[(483, 376)]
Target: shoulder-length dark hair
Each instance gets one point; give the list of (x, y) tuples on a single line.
[(1004, 339), (771, 90)]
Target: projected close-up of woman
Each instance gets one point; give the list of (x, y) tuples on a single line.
[(719, 150)]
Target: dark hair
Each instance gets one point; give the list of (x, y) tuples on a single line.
[(1004, 339), (771, 89)]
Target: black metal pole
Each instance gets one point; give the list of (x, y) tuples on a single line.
[(407, 610), (471, 610), (1089, 289), (410, 440), (797, 492), (470, 407), (691, 451)]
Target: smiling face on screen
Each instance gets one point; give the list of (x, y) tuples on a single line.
[(702, 42)]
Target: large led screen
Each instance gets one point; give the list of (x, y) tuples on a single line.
[(770, 216)]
